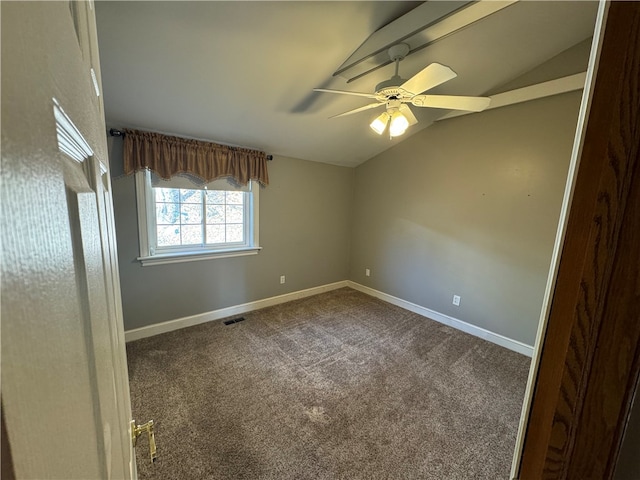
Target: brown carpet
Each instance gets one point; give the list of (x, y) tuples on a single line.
[(336, 386)]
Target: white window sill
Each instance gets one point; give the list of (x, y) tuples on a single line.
[(180, 257)]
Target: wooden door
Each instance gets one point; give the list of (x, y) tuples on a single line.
[(590, 361), (65, 396)]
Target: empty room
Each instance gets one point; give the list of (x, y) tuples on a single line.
[(319, 240)]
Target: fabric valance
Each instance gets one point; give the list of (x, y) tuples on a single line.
[(168, 156)]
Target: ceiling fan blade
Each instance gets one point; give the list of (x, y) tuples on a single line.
[(361, 109), (452, 102), (344, 92), (429, 77), (406, 111)]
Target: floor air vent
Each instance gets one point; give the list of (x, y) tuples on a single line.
[(235, 320)]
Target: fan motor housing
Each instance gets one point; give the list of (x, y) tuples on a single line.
[(387, 87)]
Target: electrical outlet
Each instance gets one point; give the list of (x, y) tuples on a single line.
[(282, 279), (456, 300), (367, 272)]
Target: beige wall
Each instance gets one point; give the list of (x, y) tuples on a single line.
[(468, 206), (304, 232)]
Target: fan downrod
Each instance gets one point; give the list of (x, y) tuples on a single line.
[(396, 54)]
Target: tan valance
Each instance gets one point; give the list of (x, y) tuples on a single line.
[(168, 156)]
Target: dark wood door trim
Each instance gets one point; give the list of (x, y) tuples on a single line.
[(591, 353), (6, 460)]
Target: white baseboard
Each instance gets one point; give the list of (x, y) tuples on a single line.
[(496, 338), (192, 320), (171, 325)]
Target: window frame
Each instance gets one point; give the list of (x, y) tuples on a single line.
[(150, 254)]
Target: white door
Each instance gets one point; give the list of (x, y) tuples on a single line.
[(65, 391)]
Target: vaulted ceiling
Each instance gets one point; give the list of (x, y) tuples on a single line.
[(243, 73)]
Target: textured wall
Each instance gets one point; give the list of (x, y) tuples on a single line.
[(468, 206), (304, 232)]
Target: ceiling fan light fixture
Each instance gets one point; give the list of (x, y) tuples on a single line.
[(396, 92), (399, 124), (379, 124)]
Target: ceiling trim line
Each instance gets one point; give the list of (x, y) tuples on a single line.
[(566, 84), (418, 28)]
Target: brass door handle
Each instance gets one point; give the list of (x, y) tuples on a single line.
[(136, 431)]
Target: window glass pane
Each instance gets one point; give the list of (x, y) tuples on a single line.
[(234, 233), (215, 196), (188, 219), (168, 235), (235, 198), (192, 234), (215, 214), (190, 196), (167, 213), (191, 213), (215, 233), (167, 195), (234, 213)]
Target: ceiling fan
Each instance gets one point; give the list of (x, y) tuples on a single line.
[(396, 92)]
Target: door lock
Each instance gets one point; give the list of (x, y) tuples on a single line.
[(137, 430)]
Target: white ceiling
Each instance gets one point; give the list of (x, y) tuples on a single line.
[(242, 73)]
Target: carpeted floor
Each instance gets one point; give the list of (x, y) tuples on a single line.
[(336, 386)]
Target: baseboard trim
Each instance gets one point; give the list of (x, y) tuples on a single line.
[(171, 325), (492, 337)]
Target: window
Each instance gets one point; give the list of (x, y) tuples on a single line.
[(182, 221)]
